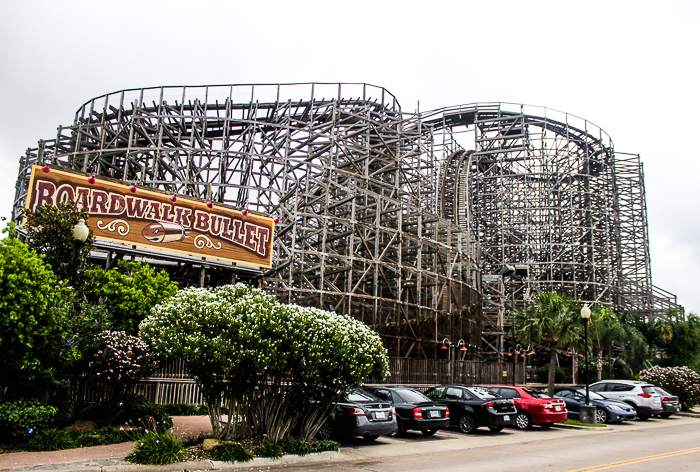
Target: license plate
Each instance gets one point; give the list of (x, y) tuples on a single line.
[(380, 415), (506, 417), (434, 414), (557, 408)]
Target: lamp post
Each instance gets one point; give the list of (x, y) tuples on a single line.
[(587, 412), (586, 315), (80, 235)]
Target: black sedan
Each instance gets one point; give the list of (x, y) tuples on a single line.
[(360, 413), (472, 407), (607, 411), (670, 403), (414, 411)]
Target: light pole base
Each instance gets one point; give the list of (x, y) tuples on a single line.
[(587, 414)]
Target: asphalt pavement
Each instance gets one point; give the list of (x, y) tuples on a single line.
[(353, 451)]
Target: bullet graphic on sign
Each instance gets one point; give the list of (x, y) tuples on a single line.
[(163, 232)]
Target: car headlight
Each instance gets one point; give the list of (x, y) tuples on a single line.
[(615, 408)]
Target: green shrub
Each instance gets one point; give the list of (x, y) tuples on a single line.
[(269, 449), (184, 409), (32, 322), (130, 291), (132, 410), (559, 374), (297, 447), (326, 445), (156, 449), (22, 418), (53, 440), (231, 452)]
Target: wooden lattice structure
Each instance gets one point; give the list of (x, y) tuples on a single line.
[(411, 222), (358, 232)]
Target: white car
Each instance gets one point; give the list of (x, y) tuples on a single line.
[(641, 395)]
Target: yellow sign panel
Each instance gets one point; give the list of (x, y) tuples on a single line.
[(131, 215)]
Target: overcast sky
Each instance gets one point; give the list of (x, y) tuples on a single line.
[(629, 67)]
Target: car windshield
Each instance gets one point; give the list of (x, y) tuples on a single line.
[(360, 396), (662, 392), (591, 395), (535, 393), (484, 393), (411, 396)]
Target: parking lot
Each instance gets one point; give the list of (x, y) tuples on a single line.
[(666, 444)]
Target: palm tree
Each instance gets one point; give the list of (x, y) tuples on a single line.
[(552, 321), (605, 330)]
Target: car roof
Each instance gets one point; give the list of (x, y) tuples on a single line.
[(628, 382)]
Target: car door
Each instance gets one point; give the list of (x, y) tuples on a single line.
[(513, 394), (573, 401), (454, 399)]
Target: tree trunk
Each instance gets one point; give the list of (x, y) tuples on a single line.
[(552, 369), (599, 365)]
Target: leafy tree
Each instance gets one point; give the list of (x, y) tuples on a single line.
[(50, 232), (276, 365), (32, 320), (672, 341), (129, 292), (682, 347), (553, 321), (604, 331)]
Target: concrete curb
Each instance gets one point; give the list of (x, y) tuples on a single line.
[(587, 428), (192, 466)]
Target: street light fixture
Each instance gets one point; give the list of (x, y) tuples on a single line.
[(80, 234), (586, 315)]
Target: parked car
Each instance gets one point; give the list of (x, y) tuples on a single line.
[(669, 403), (607, 411), (533, 407), (414, 411), (360, 413), (472, 407), (640, 395)]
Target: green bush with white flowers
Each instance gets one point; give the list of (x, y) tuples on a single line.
[(270, 367), (683, 382)]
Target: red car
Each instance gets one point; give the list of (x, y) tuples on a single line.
[(533, 407)]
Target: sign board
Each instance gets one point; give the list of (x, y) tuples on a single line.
[(152, 219)]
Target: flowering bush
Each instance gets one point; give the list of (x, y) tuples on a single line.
[(289, 363), (680, 381), (119, 360)]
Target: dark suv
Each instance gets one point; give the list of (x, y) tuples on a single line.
[(641, 395)]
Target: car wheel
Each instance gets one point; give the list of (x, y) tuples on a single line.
[(325, 432), (428, 432), (642, 418), (523, 420), (400, 429), (496, 429), (665, 415), (467, 424), (601, 416), (546, 425), (370, 437)]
